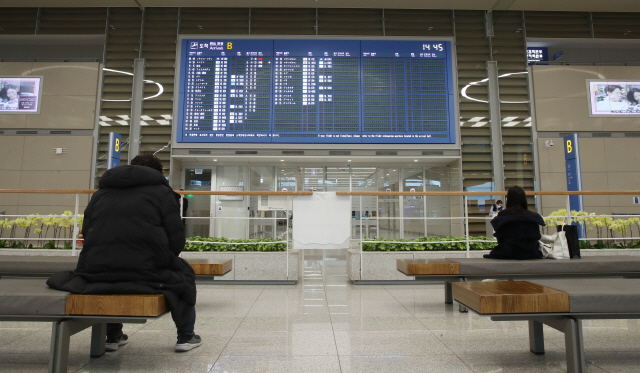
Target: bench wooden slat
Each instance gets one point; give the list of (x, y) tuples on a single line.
[(210, 266), (414, 267), (150, 305), (502, 297)]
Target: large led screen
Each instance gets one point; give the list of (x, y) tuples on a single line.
[(614, 98), (20, 95), (315, 91)]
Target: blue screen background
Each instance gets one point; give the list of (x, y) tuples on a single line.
[(315, 91)]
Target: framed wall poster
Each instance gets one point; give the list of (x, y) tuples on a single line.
[(20, 94), (613, 98)]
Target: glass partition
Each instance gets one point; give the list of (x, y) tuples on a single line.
[(197, 179), (413, 206), (232, 211), (363, 179), (391, 217), (388, 209)]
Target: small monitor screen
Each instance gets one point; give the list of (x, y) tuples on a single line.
[(20, 95), (614, 98)]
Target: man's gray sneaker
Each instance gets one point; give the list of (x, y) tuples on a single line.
[(113, 343), (187, 342)]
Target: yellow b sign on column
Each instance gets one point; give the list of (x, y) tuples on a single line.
[(113, 159)]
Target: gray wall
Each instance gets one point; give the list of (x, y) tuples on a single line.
[(69, 94), (561, 105)]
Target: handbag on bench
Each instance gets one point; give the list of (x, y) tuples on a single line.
[(554, 246)]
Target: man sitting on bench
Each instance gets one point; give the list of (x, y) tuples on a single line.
[(132, 238), (517, 229)]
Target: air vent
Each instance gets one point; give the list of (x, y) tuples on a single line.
[(199, 152), (563, 134), (601, 134), (59, 132), (339, 152), (26, 132), (1, 132), (246, 152), (432, 152), (386, 152), (632, 134), (293, 152)]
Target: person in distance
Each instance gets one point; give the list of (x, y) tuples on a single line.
[(517, 229), (133, 235), (497, 207)]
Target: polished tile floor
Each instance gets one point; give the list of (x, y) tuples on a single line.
[(325, 324)]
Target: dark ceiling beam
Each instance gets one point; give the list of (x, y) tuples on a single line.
[(502, 4)]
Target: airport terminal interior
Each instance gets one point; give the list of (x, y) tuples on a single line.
[(342, 168)]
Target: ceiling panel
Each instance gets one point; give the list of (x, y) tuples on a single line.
[(577, 5), (551, 5), (393, 4)]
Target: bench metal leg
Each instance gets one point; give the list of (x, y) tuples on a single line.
[(573, 341), (574, 345), (59, 354), (98, 339), (536, 337), (448, 293), (462, 308), (60, 337)]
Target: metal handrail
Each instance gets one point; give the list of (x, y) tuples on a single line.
[(183, 192), (495, 193)]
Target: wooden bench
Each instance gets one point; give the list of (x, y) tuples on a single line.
[(476, 269), (561, 304), (210, 267), (45, 266), (29, 299)]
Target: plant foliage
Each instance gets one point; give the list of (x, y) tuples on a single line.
[(428, 244), (228, 244)]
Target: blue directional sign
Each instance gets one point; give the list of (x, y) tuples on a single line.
[(115, 145), (574, 174)]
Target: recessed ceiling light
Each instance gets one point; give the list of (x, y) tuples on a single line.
[(215, 160), (348, 160), (415, 160), (282, 160)]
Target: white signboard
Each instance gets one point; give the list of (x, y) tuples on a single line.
[(274, 203), (231, 189), (321, 221)]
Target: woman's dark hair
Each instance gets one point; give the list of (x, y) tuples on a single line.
[(631, 96), (499, 202), (516, 197), (148, 160), (611, 88)]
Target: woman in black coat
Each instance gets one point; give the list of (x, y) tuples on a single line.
[(133, 235), (517, 229)]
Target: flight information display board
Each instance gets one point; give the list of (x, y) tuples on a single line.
[(315, 91)]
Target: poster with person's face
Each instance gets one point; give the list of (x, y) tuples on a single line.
[(613, 98), (20, 95)]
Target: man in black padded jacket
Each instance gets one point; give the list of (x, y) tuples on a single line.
[(133, 235)]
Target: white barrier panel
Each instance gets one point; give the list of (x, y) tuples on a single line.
[(321, 221)]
